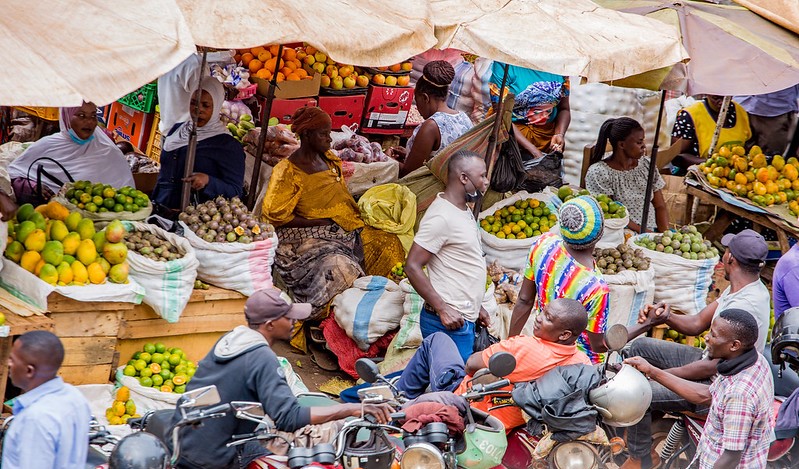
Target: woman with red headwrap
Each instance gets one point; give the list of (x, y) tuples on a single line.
[(324, 245)]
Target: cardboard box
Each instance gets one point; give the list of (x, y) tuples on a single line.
[(284, 109), (145, 182), (290, 89), (130, 124), (386, 109), (343, 110)]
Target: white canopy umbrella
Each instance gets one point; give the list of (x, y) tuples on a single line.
[(64, 52)]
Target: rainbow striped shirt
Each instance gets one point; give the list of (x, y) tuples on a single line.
[(558, 275)]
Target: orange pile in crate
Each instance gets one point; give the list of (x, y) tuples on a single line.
[(262, 60)]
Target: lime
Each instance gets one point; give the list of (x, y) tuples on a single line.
[(70, 194), (136, 355), (128, 207), (91, 207), (118, 208), (165, 365), (158, 380), (97, 200), (109, 202), (146, 373), (180, 389), (155, 367), (149, 348), (102, 210), (109, 193), (140, 201), (146, 357), (120, 198), (160, 347), (140, 365), (157, 358), (129, 371), (166, 374), (134, 208), (174, 359), (146, 382)]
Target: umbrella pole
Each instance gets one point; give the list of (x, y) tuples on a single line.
[(725, 106), (266, 110), (492, 139), (192, 150), (652, 167)]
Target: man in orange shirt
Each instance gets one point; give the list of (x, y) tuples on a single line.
[(438, 365)]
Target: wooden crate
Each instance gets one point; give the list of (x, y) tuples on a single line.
[(18, 325)]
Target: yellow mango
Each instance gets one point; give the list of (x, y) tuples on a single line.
[(79, 273), (96, 274), (29, 260)]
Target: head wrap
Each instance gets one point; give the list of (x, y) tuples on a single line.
[(180, 137), (539, 93), (581, 221), (309, 118)]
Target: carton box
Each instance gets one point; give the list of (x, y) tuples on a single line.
[(343, 110), (284, 109), (386, 109), (130, 124), (290, 89)]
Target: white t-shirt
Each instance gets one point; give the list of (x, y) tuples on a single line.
[(753, 298), (457, 269)]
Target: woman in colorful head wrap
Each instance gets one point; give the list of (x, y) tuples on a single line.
[(219, 159), (324, 245), (562, 266), (81, 148)]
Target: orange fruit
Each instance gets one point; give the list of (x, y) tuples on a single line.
[(301, 72), (237, 58), (246, 58), (273, 49), (256, 51), (310, 50), (270, 64), (291, 64), (280, 77), (263, 74), (289, 54), (264, 56), (256, 65), (293, 77), (286, 71), (395, 67)]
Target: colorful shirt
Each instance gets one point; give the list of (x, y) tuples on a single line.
[(558, 275), (740, 417)]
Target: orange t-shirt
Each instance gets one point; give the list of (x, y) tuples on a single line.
[(534, 357)]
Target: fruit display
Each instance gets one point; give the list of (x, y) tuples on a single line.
[(622, 257), (398, 272), (152, 246), (102, 198), (752, 177), (359, 149), (162, 368), (66, 249), (240, 130), (122, 408), (610, 209), (222, 220), (523, 219), (670, 335), (687, 243), (262, 60)]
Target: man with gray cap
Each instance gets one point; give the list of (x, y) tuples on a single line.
[(743, 259), (243, 367)]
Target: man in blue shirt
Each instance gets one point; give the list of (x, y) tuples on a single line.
[(51, 419), (772, 117)]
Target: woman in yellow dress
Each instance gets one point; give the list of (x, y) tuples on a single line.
[(323, 242)]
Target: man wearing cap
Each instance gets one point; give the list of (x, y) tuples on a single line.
[(563, 267), (243, 367), (743, 259)]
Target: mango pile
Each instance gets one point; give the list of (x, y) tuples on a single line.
[(162, 368), (524, 219), (687, 243), (610, 209), (122, 408), (751, 176), (101, 198), (63, 248), (670, 335)]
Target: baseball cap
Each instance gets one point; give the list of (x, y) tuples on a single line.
[(269, 304), (747, 247)]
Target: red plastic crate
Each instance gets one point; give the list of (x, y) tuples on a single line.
[(284, 109), (130, 124), (343, 110), (386, 109)]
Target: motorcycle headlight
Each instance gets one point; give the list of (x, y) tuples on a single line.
[(575, 455), (422, 456)]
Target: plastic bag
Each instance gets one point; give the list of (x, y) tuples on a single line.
[(482, 338), (390, 208)]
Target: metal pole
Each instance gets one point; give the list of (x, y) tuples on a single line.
[(266, 110), (652, 166), (492, 139), (192, 150)]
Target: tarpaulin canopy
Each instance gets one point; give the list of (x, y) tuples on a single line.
[(783, 12), (62, 52), (363, 32), (733, 51), (573, 38)]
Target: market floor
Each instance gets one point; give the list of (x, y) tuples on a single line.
[(311, 374)]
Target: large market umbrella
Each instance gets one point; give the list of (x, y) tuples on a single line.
[(64, 52), (783, 12), (573, 38), (733, 52)]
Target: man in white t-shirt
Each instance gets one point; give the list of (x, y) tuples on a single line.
[(743, 259), (448, 244)]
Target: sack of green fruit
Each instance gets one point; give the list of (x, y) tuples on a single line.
[(683, 274), (103, 203), (509, 227), (164, 264)]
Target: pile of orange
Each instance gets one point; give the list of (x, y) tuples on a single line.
[(262, 61)]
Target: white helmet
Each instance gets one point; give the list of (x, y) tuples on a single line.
[(623, 400)]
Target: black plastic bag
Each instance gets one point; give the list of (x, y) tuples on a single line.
[(508, 170), (482, 338)]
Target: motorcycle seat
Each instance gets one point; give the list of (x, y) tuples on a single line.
[(159, 423), (779, 448)]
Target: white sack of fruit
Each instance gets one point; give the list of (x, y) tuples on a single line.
[(631, 279)]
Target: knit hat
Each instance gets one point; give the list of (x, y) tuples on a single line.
[(581, 221)]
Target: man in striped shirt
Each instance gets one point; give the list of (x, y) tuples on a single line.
[(738, 430)]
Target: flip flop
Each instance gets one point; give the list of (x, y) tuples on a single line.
[(322, 357)]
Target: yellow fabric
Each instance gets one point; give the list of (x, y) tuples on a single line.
[(292, 192), (391, 208), (705, 126), (381, 251), (538, 135)]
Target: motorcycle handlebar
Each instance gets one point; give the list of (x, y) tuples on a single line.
[(216, 409)]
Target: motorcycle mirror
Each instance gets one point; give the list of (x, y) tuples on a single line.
[(200, 397), (501, 364), (367, 370), (616, 338), (253, 408)]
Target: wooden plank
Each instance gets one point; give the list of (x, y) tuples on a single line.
[(86, 324), (22, 324), (59, 303), (5, 352), (202, 308), (215, 293), (83, 351), (187, 325), (195, 346), (76, 375)]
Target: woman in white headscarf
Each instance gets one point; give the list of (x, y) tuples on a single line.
[(80, 150), (219, 160)]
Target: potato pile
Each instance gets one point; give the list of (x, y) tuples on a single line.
[(621, 258)]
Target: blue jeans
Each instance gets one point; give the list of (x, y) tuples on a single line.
[(430, 323)]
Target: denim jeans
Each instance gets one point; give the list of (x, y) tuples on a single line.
[(437, 364), (430, 323), (662, 354)]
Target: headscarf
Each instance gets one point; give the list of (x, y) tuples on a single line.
[(540, 93), (180, 137), (581, 221), (309, 118), (96, 159)]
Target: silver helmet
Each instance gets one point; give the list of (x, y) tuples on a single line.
[(623, 400)]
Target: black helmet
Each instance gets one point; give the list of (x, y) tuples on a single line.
[(375, 453), (139, 450), (785, 339)]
